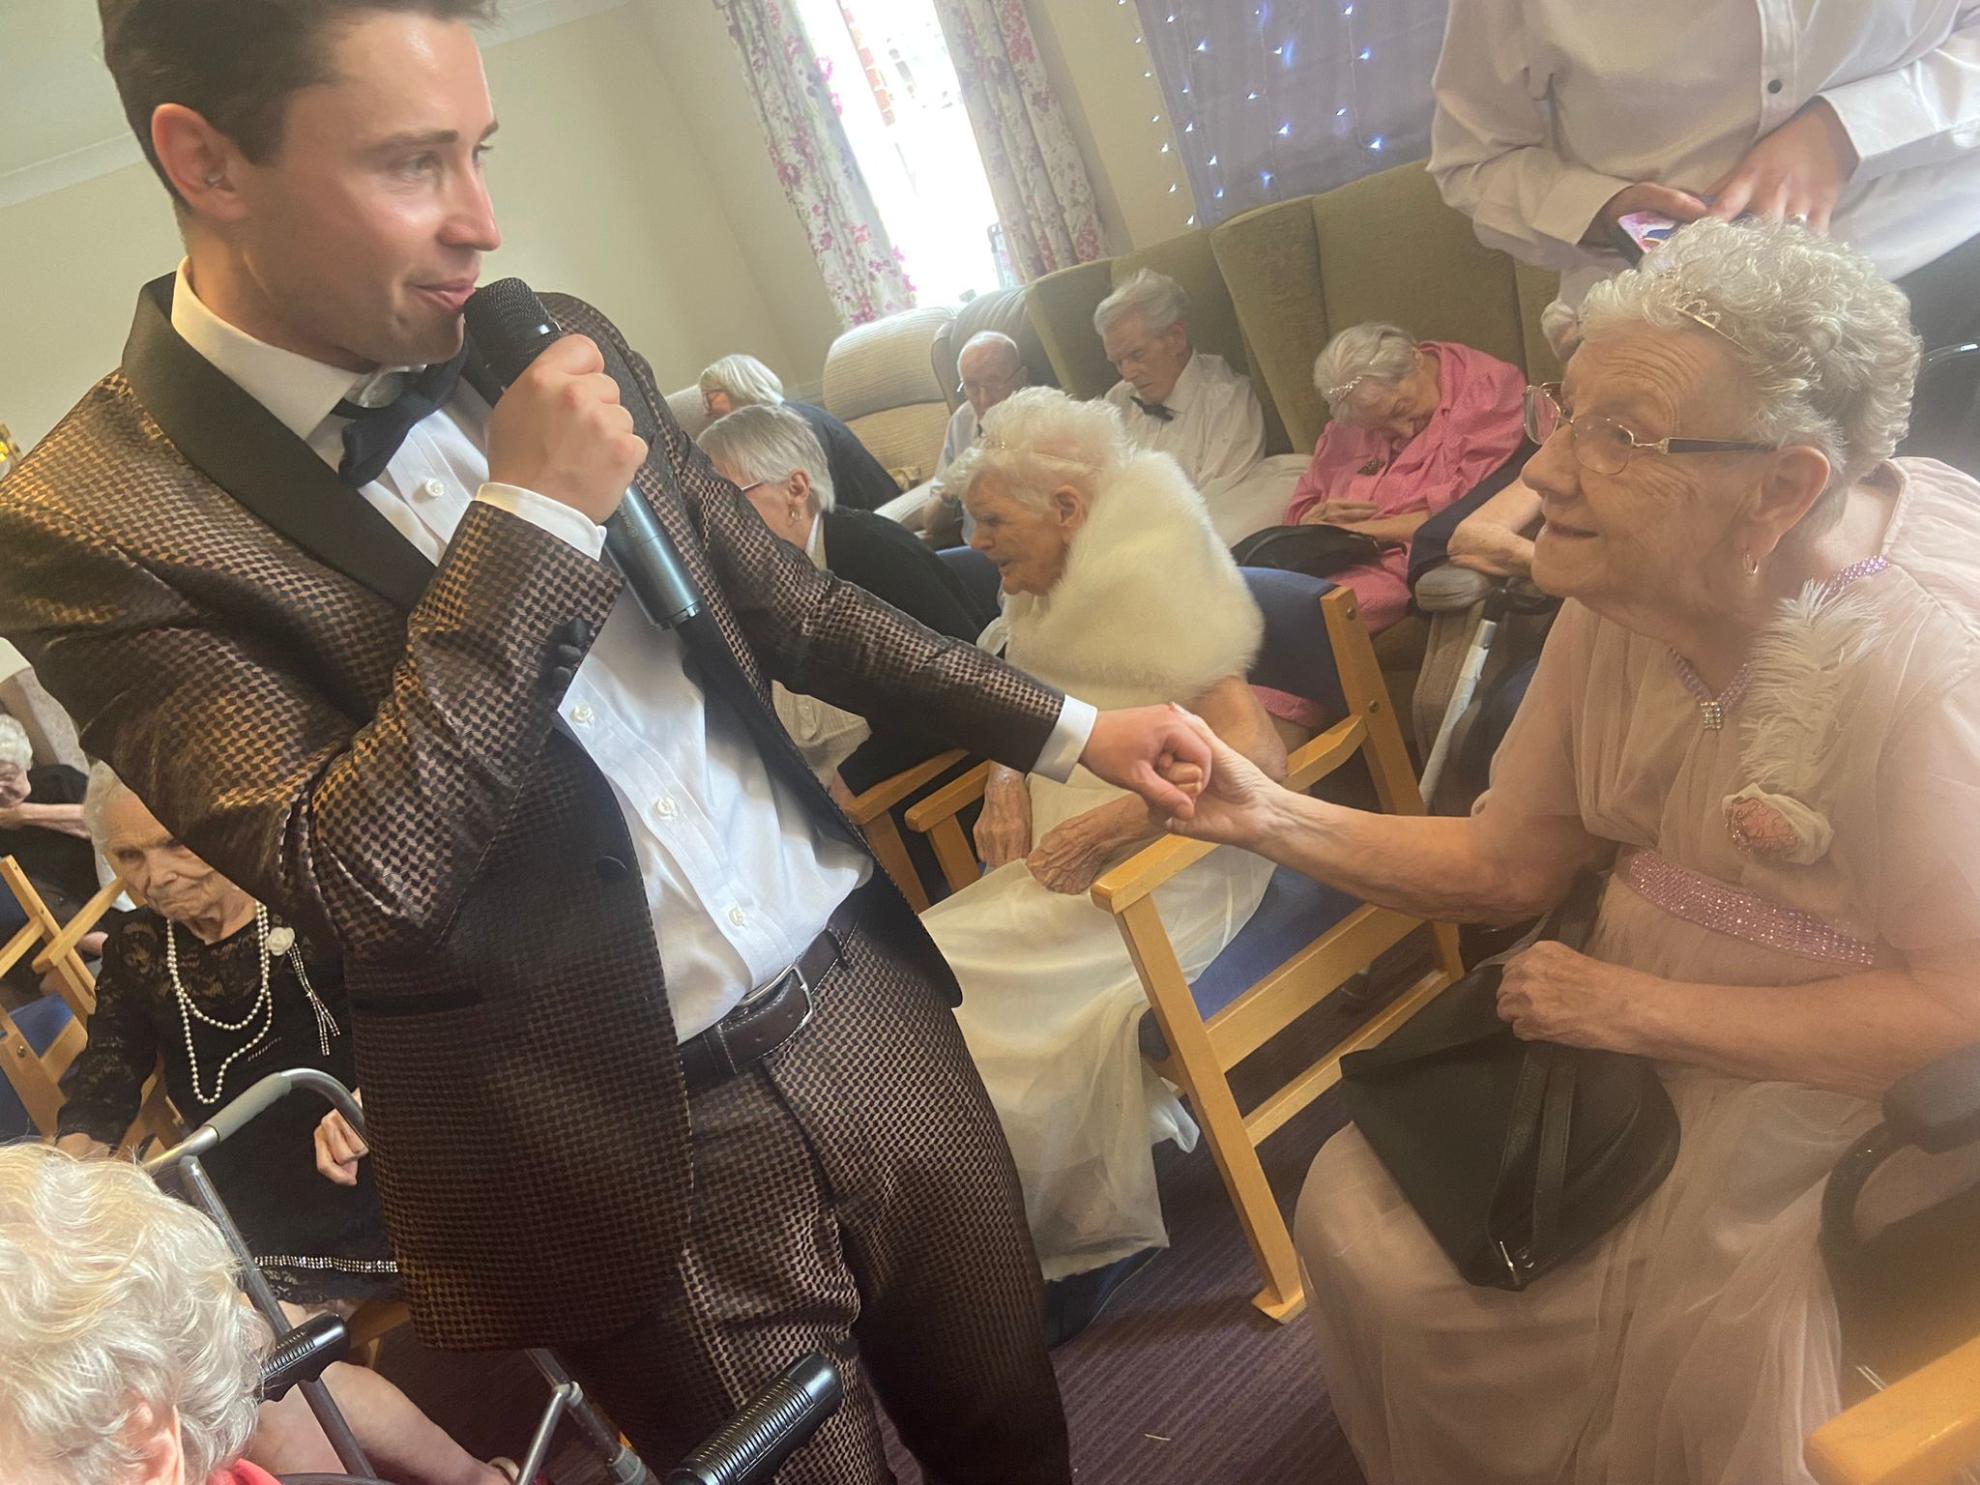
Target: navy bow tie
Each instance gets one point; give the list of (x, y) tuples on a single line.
[(374, 434), (1160, 412)]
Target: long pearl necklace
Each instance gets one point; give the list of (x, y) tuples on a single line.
[(263, 1007)]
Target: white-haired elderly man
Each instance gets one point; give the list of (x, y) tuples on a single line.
[(991, 367), (771, 454), (1173, 398)]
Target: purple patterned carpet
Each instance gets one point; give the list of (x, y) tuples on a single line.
[(1180, 1382)]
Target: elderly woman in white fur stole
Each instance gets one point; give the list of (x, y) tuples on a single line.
[(1117, 590)]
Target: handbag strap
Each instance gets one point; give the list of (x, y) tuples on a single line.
[(1538, 1130)]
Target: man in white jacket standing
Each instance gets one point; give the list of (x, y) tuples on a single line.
[(1555, 118)]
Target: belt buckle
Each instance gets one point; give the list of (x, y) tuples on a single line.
[(796, 972)]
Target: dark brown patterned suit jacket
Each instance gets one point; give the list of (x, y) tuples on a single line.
[(370, 744)]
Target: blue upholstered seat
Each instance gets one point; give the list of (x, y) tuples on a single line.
[(39, 1022), (1295, 658)]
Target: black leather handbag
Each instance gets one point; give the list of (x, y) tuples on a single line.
[(1316, 551), (1516, 1155)]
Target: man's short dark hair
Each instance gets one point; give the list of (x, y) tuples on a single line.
[(234, 62)]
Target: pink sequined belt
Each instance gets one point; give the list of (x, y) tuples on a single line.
[(1710, 903)]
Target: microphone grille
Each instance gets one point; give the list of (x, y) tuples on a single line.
[(509, 325)]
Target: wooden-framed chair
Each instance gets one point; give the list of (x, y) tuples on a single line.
[(40, 1042), (1304, 941), (875, 812)]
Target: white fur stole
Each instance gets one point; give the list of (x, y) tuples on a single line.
[(1150, 607)]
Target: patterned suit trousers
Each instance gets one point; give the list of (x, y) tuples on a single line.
[(853, 1195)]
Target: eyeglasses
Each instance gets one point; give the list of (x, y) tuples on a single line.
[(988, 386), (1604, 445)]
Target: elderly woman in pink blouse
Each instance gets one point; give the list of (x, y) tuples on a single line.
[(1416, 425)]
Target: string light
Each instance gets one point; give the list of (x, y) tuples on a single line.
[(1365, 54)]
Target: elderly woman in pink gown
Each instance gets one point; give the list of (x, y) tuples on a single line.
[(1759, 710), (1416, 425)]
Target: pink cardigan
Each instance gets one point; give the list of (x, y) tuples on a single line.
[(1474, 430)]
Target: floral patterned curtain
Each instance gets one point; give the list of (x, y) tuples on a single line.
[(1037, 178), (815, 165)]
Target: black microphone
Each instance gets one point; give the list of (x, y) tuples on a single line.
[(511, 328)]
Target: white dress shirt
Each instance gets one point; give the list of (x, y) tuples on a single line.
[(961, 434), (1216, 431), (827, 735), (1547, 108), (738, 876)]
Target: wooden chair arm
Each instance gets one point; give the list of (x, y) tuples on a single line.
[(883, 796), (1918, 1431), (1150, 867), (948, 801), (1164, 860), (80, 926)]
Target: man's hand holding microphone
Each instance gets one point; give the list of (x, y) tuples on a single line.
[(562, 431)]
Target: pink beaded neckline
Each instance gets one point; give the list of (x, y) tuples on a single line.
[(1713, 710)]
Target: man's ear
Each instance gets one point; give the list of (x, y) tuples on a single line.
[(1793, 481), (202, 163)]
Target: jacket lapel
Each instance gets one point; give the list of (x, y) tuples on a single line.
[(238, 444)]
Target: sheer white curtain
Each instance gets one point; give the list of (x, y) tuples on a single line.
[(1278, 98)]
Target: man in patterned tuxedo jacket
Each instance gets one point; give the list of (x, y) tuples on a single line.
[(658, 1069)]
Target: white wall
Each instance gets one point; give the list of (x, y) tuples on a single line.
[(598, 186), (630, 170)]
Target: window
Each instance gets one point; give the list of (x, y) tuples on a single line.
[(887, 67), (1272, 99)]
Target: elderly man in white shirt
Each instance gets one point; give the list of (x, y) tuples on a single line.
[(991, 367), (1189, 404), (1555, 119)]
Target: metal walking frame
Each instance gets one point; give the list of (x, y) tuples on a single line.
[(747, 1451)]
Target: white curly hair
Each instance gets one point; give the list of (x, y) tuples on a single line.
[(118, 1305), (1824, 340), (1037, 440)]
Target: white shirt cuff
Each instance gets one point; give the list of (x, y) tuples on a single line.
[(1573, 202), (563, 521), (1068, 740)]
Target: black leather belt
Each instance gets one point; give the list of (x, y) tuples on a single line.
[(771, 1015)]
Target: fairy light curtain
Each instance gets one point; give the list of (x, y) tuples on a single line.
[(1272, 99)]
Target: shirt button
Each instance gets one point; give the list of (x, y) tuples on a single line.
[(433, 489), (738, 917), (1774, 86), (582, 715), (664, 808)]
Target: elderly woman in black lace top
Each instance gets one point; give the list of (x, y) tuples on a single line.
[(206, 978), (207, 981)]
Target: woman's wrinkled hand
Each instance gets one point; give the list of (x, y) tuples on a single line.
[(1003, 829), (1073, 853), (1337, 513), (1550, 993), (1239, 804), (339, 1148)]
